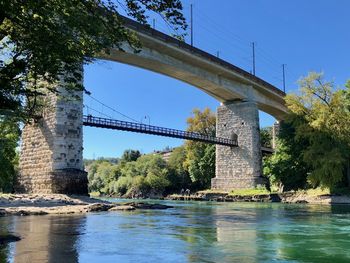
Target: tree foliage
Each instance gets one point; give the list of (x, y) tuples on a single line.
[(130, 155), (190, 166), (42, 40), (9, 137), (325, 116), (178, 176), (266, 137), (286, 168), (320, 116), (143, 176), (200, 157)]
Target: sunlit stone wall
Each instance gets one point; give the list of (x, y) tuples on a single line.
[(238, 167), (51, 159)]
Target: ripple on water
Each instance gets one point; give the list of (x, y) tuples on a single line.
[(190, 232)]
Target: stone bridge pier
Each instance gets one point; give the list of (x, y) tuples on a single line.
[(51, 159), (238, 167)]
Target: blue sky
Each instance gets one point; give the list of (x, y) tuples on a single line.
[(308, 36)]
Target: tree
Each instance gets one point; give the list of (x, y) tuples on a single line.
[(200, 157), (266, 137), (178, 176), (147, 175), (101, 174), (130, 155), (9, 137), (286, 168), (321, 116), (40, 41)]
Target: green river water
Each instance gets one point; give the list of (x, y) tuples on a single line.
[(189, 232)]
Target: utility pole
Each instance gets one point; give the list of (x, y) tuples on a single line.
[(154, 23), (192, 25), (218, 54), (253, 46), (284, 77)]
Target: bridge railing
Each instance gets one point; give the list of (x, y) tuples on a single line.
[(89, 120)]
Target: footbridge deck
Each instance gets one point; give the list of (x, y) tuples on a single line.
[(92, 121), (89, 120)]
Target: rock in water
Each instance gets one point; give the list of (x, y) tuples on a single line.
[(99, 207), (122, 208), (148, 206)]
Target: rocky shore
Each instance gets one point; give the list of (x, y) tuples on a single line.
[(289, 197), (43, 204)]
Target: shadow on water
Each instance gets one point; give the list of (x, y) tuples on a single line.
[(43, 238)]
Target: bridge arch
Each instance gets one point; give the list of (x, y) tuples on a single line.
[(51, 154), (218, 78)]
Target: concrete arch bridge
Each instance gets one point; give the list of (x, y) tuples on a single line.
[(51, 158)]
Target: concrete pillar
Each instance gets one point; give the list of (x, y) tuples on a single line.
[(238, 167), (275, 133), (51, 159)]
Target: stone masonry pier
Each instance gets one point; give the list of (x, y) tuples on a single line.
[(51, 159), (238, 167)]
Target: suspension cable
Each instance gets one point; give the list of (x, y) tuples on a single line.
[(114, 110)]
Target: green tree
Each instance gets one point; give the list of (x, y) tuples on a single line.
[(9, 137), (147, 175), (42, 40), (321, 116), (101, 174), (266, 137), (200, 157), (130, 155), (286, 168), (178, 176)]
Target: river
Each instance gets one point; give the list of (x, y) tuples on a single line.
[(189, 232)]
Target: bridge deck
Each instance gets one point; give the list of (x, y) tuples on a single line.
[(145, 29), (155, 130)]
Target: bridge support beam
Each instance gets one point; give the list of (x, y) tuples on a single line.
[(51, 159), (238, 167)]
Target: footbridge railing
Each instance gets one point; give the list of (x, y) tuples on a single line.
[(92, 121)]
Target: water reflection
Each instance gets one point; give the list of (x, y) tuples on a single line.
[(191, 232), (44, 238)]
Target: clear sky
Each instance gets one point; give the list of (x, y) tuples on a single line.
[(310, 35)]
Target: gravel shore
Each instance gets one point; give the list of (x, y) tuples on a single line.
[(43, 204), (288, 197)]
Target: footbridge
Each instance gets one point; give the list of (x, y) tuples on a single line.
[(51, 159), (113, 124), (99, 122)]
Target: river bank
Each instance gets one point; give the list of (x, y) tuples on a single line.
[(304, 197), (43, 204)]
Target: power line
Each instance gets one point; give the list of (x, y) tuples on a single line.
[(272, 66), (114, 110), (223, 37), (264, 56), (225, 41), (220, 28)]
